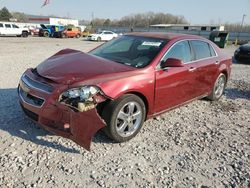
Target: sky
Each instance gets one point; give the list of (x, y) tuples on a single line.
[(195, 11)]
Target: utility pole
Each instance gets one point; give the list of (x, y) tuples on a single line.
[(241, 28)]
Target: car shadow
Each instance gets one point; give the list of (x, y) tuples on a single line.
[(234, 61), (13, 121), (235, 93)]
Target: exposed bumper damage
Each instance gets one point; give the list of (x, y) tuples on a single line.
[(75, 119)]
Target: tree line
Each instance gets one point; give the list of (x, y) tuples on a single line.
[(141, 20)]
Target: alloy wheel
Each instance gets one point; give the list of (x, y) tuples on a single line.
[(220, 85), (128, 119)]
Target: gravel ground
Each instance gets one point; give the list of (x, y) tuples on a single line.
[(202, 144)]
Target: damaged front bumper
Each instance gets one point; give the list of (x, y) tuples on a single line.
[(42, 105)]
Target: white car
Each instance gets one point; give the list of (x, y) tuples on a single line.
[(103, 36), (10, 29)]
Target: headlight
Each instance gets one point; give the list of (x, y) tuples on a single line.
[(81, 99), (83, 93)]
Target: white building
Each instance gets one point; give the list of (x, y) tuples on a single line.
[(53, 21)]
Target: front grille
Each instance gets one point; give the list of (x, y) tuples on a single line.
[(36, 85), (30, 99), (30, 114)]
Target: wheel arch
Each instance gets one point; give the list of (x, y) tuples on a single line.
[(225, 73), (101, 106)]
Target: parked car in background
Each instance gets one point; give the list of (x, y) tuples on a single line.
[(49, 30), (120, 84), (69, 33), (103, 36), (85, 33), (34, 30), (9, 29), (45, 30), (242, 54)]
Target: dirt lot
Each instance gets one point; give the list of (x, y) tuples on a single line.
[(202, 144)]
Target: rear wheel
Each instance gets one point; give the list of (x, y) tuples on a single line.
[(78, 36), (64, 35), (25, 34), (124, 117), (219, 87)]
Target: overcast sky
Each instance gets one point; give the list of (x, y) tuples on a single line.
[(195, 11)]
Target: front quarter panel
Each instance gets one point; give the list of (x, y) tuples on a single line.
[(141, 82)]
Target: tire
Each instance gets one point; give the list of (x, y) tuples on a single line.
[(121, 124), (46, 34), (78, 36), (63, 35), (25, 34), (219, 88), (99, 39)]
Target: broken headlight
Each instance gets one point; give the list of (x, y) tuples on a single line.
[(80, 99)]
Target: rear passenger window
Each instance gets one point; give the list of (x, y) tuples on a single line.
[(14, 26), (201, 49), (180, 50), (7, 25), (1, 25)]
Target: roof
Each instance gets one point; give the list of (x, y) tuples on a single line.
[(162, 35)]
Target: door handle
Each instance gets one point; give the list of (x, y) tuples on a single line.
[(217, 62), (191, 69)]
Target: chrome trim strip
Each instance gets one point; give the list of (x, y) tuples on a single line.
[(21, 97), (32, 86)]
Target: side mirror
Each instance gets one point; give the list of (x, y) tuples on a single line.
[(172, 62)]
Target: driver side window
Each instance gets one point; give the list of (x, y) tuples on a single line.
[(180, 50)]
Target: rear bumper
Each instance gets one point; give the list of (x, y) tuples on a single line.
[(44, 109)]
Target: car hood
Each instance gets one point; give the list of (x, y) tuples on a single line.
[(69, 66), (43, 26)]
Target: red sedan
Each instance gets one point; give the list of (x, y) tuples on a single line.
[(119, 85)]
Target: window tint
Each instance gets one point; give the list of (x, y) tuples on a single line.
[(181, 51), (201, 49), (14, 26), (7, 25), (1, 25), (135, 51), (119, 46), (108, 33)]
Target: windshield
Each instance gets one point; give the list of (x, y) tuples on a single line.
[(134, 51)]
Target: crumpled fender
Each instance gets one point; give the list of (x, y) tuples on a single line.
[(84, 126), (79, 127)]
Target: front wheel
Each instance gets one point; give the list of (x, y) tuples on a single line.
[(124, 117), (219, 88), (46, 34), (99, 39)]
